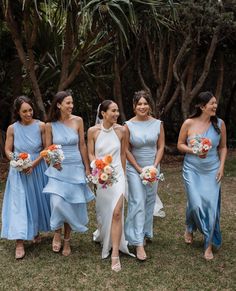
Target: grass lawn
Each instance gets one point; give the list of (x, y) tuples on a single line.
[(172, 265)]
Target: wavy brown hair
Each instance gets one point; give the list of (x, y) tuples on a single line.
[(54, 112), (202, 99), (143, 94)]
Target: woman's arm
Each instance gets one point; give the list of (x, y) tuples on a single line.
[(129, 155), (48, 134), (82, 145), (182, 140), (160, 146), (39, 158), (222, 152), (123, 147), (91, 142), (9, 141)]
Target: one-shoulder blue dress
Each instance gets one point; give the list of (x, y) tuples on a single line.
[(69, 192), (26, 210), (141, 198), (203, 191)]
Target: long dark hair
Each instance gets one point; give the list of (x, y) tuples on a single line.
[(104, 107), (17, 105), (54, 112), (202, 99), (143, 94)]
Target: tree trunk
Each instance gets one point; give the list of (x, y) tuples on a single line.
[(220, 78)]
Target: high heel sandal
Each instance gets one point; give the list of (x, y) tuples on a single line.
[(117, 266), (20, 252), (56, 244), (188, 237), (141, 257), (37, 239), (66, 250)]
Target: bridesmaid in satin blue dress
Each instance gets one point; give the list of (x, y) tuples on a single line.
[(146, 147), (26, 211), (202, 173), (67, 187)]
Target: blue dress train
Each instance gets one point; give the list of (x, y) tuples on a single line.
[(25, 210), (141, 198), (203, 191), (68, 190)]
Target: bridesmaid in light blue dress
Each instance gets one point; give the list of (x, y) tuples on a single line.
[(26, 211), (67, 187), (202, 173), (146, 148)]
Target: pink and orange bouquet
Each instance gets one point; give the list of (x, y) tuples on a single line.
[(53, 155), (20, 161), (200, 145), (103, 172), (150, 175)]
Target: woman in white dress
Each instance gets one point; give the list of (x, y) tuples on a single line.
[(108, 138)]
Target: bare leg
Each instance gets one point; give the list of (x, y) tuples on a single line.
[(208, 255), (116, 231), (66, 248), (20, 251), (56, 242)]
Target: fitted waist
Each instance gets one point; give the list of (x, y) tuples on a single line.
[(71, 154), (144, 156)]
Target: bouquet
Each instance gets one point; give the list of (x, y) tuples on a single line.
[(150, 175), (103, 172), (20, 161), (53, 155), (200, 145)]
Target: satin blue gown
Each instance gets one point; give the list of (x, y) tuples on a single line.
[(203, 191), (141, 198), (68, 190), (26, 211)]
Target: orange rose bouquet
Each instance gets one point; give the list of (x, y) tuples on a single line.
[(53, 155), (20, 161), (103, 172), (200, 145), (150, 175)]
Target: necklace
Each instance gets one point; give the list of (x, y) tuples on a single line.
[(106, 129)]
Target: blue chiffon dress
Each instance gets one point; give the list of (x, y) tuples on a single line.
[(25, 210), (141, 198), (68, 190), (203, 191)]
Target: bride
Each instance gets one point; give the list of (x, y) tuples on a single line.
[(108, 138)]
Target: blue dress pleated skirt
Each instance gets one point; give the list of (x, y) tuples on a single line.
[(68, 190), (26, 210)]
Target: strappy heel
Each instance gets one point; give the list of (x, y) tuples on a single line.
[(117, 266), (66, 248), (20, 252), (56, 244), (141, 257), (188, 237)]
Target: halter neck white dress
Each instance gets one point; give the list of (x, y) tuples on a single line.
[(106, 200)]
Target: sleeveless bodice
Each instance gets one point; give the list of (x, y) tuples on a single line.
[(212, 159), (68, 138), (143, 140), (27, 138), (108, 143)]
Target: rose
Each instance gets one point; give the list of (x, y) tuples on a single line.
[(104, 177), (23, 156), (107, 159), (107, 170)]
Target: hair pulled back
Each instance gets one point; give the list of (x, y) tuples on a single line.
[(17, 105)]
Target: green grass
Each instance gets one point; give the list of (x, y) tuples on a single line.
[(172, 265)]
